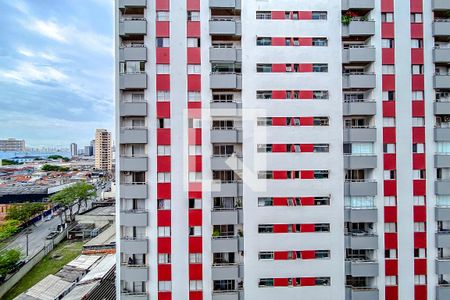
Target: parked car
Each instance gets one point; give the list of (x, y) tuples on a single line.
[(52, 235), (48, 218)]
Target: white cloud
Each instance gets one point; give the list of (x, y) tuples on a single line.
[(27, 73), (49, 29)]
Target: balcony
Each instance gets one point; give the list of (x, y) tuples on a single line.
[(358, 4), (358, 81), (134, 218), (227, 244), (132, 3), (133, 135), (359, 108), (443, 239), (133, 245), (358, 28), (441, 81), (225, 26), (136, 190), (442, 214), (227, 216), (134, 296), (357, 161), (223, 54), (441, 108), (440, 4), (360, 134), (228, 295), (135, 164), (442, 266), (136, 53), (361, 268), (225, 109), (223, 272), (132, 27), (442, 187), (360, 188), (226, 135), (133, 81), (361, 241), (443, 292), (441, 27), (442, 160), (134, 272), (358, 54), (232, 162), (355, 293), (226, 189), (225, 4), (441, 55), (133, 109), (225, 81), (356, 215)]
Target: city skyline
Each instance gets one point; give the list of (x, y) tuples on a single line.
[(56, 71)]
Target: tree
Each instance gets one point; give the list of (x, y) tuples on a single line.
[(8, 228), (25, 211), (53, 168), (78, 193), (8, 260)]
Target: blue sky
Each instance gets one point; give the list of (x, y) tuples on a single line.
[(56, 70)]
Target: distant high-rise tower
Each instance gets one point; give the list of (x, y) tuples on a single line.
[(103, 150), (12, 145), (73, 150)]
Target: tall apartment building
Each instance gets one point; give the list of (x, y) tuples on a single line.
[(73, 150), (103, 150), (12, 144), (283, 149)]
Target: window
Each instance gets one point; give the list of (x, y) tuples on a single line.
[(264, 121), (321, 148), (162, 16), (163, 258), (420, 253), (320, 68), (320, 42), (264, 95), (416, 43), (443, 147), (389, 148), (390, 201), (162, 69), (265, 282), (319, 15), (263, 15), (388, 122), (389, 174), (322, 227), (265, 228), (391, 280), (418, 122), (387, 43), (194, 69), (418, 148), (163, 150), (163, 231), (388, 96), (320, 95), (195, 176), (266, 255), (265, 175), (195, 285), (419, 200), (263, 41), (321, 174), (419, 226), (321, 121), (390, 253), (359, 201), (420, 279), (164, 286), (265, 201), (417, 69), (320, 254), (417, 96), (194, 123), (321, 200), (195, 231), (416, 18), (264, 68), (163, 177), (387, 17), (388, 69), (195, 258), (132, 67), (163, 123), (163, 204), (419, 174), (195, 203), (163, 96), (390, 227), (194, 96), (195, 150), (193, 42), (193, 16), (162, 42)]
